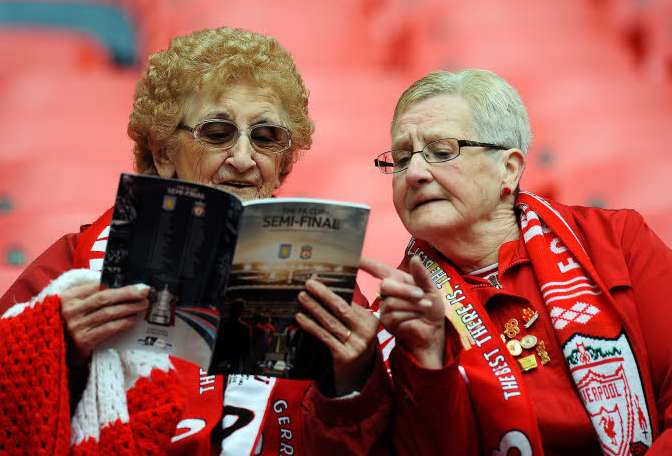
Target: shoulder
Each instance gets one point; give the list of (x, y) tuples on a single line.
[(60, 257), (613, 238), (602, 226), (57, 259)]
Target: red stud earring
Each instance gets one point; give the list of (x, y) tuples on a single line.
[(506, 191)]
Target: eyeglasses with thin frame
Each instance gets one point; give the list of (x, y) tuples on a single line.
[(441, 150), (266, 138)]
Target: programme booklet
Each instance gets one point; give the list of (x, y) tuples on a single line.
[(225, 274)]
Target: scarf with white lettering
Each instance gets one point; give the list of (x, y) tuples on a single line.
[(594, 341)]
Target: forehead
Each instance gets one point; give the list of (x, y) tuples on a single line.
[(435, 117), (240, 102)]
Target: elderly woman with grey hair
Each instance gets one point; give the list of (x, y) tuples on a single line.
[(520, 323)]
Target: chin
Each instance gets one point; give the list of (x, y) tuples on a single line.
[(247, 193), (430, 225), (428, 232)]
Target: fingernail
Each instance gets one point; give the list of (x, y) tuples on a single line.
[(302, 296), (425, 303), (141, 287), (417, 293)]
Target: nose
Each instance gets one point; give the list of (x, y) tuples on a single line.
[(240, 155), (418, 172)]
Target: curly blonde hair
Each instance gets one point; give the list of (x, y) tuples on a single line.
[(219, 56)]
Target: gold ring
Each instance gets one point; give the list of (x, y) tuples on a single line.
[(347, 338)]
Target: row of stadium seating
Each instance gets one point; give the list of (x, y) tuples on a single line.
[(396, 34)]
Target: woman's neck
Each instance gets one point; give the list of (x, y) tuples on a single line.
[(478, 245)]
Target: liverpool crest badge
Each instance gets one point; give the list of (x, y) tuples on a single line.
[(607, 378)]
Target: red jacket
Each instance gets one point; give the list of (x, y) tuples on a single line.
[(298, 419), (433, 414)]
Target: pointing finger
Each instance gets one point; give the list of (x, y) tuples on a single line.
[(391, 287), (420, 275), (383, 271)]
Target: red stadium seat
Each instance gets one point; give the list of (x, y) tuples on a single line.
[(55, 182), (325, 34), (661, 222), (567, 91), (43, 51), (639, 184), (352, 127), (27, 233), (590, 137), (657, 25), (623, 15), (481, 34), (68, 115)]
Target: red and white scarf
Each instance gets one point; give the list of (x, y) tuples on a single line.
[(593, 336), (256, 397), (256, 415)]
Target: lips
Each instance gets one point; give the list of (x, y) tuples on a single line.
[(422, 201), (236, 184)]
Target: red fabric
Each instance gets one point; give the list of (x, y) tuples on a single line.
[(503, 411), (150, 412), (34, 396), (636, 267), (355, 426), (34, 409), (298, 427)]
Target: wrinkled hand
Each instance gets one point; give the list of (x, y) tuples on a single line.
[(349, 331), (92, 315), (411, 309)]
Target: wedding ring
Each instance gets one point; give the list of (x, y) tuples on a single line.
[(347, 338)]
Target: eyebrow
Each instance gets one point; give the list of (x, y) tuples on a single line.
[(265, 120), (428, 136), (218, 115), (400, 141), (226, 116)]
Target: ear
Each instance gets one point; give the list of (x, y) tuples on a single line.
[(163, 162), (514, 165), (284, 172), (285, 165)]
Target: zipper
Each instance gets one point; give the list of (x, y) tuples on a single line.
[(494, 281)]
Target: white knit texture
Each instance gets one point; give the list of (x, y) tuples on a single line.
[(85, 421), (112, 374), (112, 405), (139, 363)]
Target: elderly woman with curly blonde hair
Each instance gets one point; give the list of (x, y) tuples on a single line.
[(221, 107)]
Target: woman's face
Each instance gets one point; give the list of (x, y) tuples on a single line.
[(241, 169), (450, 197)]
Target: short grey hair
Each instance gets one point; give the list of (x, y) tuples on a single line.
[(499, 116)]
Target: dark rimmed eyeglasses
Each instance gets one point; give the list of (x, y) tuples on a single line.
[(441, 150), (266, 138)]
